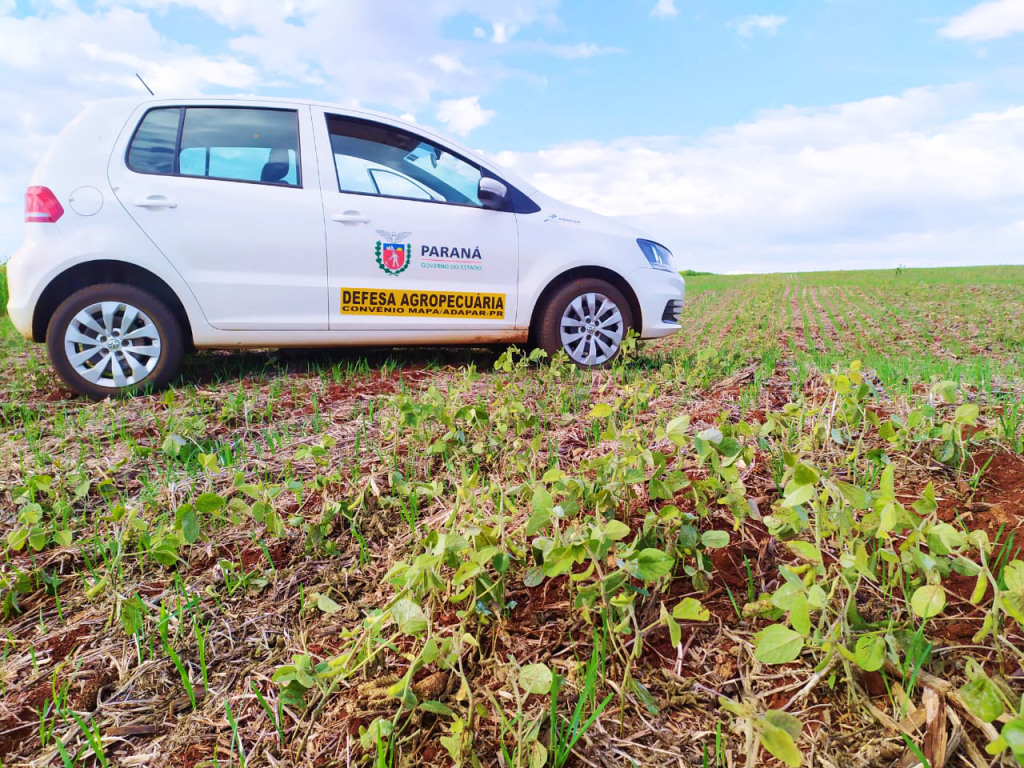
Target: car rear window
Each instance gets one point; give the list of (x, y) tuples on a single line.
[(152, 149), (226, 143)]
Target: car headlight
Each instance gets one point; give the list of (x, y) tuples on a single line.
[(658, 255)]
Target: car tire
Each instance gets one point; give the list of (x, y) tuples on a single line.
[(588, 318), (135, 339)]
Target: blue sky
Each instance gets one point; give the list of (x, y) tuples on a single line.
[(748, 136)]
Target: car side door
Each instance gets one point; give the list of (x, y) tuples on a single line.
[(409, 244), (230, 193)]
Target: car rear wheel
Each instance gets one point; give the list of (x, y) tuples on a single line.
[(588, 319), (113, 339)]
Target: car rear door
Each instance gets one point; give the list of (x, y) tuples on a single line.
[(230, 193), (409, 246)]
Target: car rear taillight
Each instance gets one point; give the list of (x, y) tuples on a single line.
[(42, 206)]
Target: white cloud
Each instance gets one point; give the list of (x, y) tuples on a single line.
[(583, 50), (869, 183), (664, 9), (987, 21), (463, 115), (748, 25), (447, 63)]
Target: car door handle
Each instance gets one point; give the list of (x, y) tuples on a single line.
[(351, 217), (156, 201)]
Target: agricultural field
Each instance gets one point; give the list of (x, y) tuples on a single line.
[(785, 536)]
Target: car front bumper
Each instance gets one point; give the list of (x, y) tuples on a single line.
[(655, 289)]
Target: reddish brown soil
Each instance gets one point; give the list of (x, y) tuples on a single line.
[(249, 556), (998, 505), (62, 645), (24, 721), (998, 509), (191, 756)]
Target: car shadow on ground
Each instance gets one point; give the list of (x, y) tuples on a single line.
[(219, 367)]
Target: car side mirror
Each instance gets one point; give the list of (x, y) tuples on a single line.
[(492, 193)]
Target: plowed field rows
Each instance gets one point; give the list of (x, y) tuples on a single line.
[(788, 535)]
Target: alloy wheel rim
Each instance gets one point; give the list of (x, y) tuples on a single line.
[(591, 329), (112, 344)]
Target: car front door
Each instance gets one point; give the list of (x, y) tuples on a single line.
[(409, 245), (231, 196)]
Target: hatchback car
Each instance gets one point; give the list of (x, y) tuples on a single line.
[(156, 226)]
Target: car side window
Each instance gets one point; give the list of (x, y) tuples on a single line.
[(226, 143), (376, 159)]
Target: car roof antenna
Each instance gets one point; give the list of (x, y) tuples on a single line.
[(144, 84)]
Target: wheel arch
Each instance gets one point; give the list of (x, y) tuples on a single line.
[(578, 273), (105, 271)]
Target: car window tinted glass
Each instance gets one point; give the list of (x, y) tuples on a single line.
[(380, 160), (240, 144), (152, 149), (394, 184), (244, 163)]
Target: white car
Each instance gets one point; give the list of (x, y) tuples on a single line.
[(154, 226)]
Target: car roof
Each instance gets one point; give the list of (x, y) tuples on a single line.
[(127, 103)]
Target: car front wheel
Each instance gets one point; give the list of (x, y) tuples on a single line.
[(588, 318), (114, 339)]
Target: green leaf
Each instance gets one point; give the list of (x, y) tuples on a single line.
[(615, 530), (209, 503), (780, 744), (543, 505), (1013, 576), (132, 613), (926, 504), (600, 411), (326, 604), (967, 414), (777, 644), (928, 601), (533, 576), (37, 538), (261, 511), (805, 475), (800, 614), (805, 551), (537, 522), (1013, 735), (535, 678), (982, 697), (855, 496), (801, 495), (691, 609), (946, 390), (62, 537), (789, 723), (186, 520), (294, 695), (437, 708), (652, 564), (378, 731), (675, 632), (16, 539), (870, 652), (538, 755), (409, 616), (715, 539)]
